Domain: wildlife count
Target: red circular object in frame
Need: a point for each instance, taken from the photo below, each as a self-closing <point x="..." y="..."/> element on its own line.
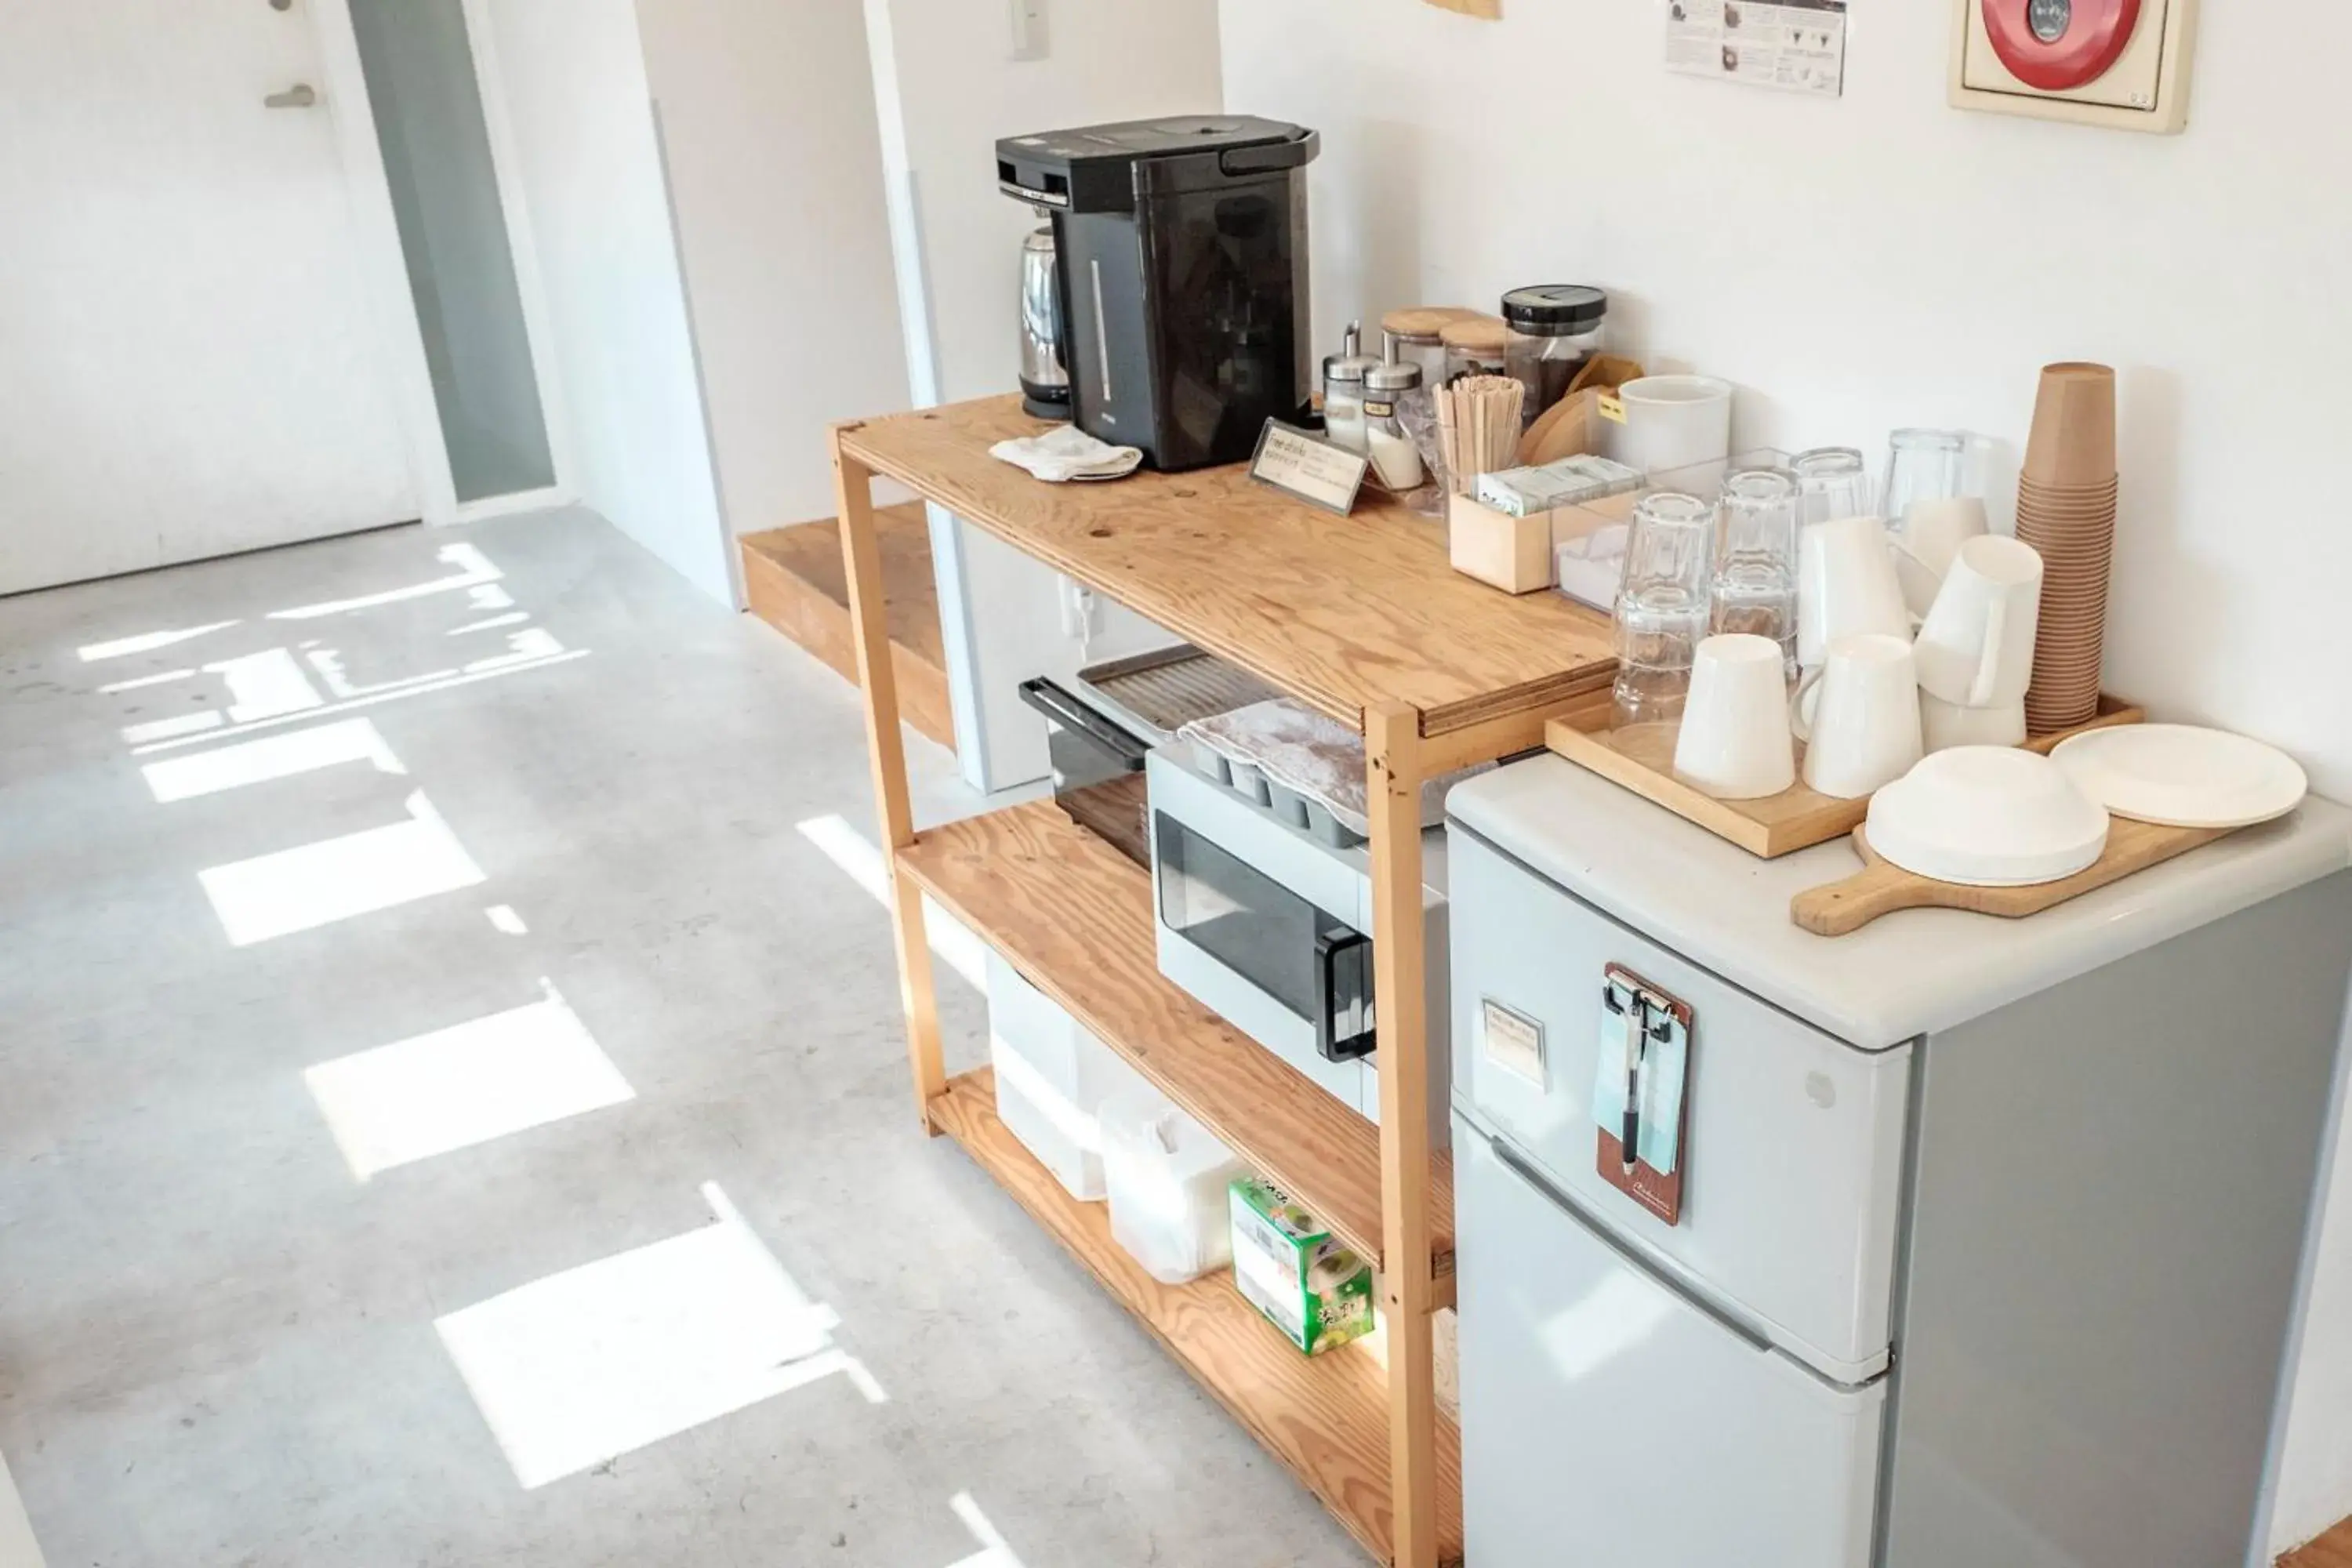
<point x="2094" y="41"/>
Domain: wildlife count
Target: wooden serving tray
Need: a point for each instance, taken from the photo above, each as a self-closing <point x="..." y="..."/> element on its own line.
<point x="1881" y="888"/>
<point x="1642" y="759"/>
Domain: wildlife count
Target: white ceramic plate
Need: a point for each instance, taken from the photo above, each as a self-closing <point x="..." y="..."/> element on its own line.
<point x="2183" y="776"/>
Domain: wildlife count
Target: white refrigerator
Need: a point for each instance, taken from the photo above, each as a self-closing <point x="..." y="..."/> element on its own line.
<point x="1981" y="1240"/>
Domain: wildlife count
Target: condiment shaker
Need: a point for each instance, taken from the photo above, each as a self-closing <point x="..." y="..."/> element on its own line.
<point x="1395" y="458"/>
<point x="1343" y="391"/>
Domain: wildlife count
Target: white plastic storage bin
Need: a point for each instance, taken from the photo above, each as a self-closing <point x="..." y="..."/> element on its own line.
<point x="1052" y="1078"/>
<point x="1168" y="1179"/>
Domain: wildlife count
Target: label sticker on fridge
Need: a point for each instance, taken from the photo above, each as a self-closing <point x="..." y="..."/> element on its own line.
<point x="1514" y="1042"/>
<point x="1640" y="1084"/>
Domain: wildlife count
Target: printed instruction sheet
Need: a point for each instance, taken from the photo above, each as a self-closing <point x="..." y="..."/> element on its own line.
<point x="1796" y="46"/>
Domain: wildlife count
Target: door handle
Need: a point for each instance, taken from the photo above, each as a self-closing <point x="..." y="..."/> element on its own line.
<point x="301" y="95"/>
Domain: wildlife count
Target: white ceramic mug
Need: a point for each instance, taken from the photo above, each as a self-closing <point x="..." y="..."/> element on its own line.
<point x="1846" y="585"/>
<point x="1944" y="725"/>
<point x="1976" y="647"/>
<point x="1673" y="421"/>
<point x="1735" y="743"/>
<point x="1932" y="535"/>
<point x="1865" y="729"/>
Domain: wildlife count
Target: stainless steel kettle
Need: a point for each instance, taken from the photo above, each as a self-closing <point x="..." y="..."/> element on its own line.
<point x="1045" y="380"/>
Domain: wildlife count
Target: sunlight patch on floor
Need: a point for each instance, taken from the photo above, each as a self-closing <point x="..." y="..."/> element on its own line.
<point x="269" y="757"/>
<point x="147" y="642"/>
<point x="993" y="1553"/>
<point x="473" y="568"/>
<point x="112" y="686"/>
<point x="860" y="860"/>
<point x="355" y="874"/>
<point x="610" y="1357"/>
<point x="17" y="1547"/>
<point x="265" y="685"/>
<point x="174" y="728"/>
<point x="465" y="1085"/>
<point x="417" y="689"/>
<point x="511" y="619"/>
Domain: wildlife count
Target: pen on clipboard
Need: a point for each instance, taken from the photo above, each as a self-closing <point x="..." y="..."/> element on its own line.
<point x="1637" y="1048"/>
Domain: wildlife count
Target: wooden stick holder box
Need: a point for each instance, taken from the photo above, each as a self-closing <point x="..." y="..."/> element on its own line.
<point x="1513" y="553"/>
<point x="1518" y="554"/>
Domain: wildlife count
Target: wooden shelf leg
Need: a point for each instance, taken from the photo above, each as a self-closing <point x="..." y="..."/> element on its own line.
<point x="1395" y="773"/>
<point x="861" y="552"/>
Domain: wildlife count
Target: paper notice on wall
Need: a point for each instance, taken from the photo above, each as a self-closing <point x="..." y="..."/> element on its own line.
<point x="1796" y="46"/>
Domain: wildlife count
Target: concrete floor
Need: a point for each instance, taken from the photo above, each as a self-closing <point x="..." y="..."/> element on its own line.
<point x="256" y="1314"/>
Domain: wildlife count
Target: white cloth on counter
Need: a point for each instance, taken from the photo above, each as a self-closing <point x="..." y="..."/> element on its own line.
<point x="1067" y="452"/>
<point x="1317" y="757"/>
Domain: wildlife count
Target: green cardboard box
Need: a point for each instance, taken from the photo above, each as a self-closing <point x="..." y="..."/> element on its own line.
<point x="1317" y="1291"/>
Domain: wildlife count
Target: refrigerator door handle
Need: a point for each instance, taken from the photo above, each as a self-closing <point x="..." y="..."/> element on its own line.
<point x="1602" y="1231"/>
<point x="1606" y="1234"/>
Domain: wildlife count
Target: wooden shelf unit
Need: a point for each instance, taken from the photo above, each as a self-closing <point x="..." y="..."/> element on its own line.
<point x="1074" y="916"/>
<point x="1361" y="617"/>
<point x="1325" y="1417"/>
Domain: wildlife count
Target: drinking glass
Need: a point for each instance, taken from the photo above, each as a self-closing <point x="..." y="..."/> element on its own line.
<point x="1832" y="482"/>
<point x="1921" y="465"/>
<point x="1661" y="605"/>
<point x="1923" y="470"/>
<point x="1755" y="587"/>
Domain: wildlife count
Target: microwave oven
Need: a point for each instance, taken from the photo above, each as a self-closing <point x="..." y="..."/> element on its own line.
<point x="1270" y="926"/>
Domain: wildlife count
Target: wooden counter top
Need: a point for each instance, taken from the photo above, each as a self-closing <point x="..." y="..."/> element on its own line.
<point x="1343" y="613"/>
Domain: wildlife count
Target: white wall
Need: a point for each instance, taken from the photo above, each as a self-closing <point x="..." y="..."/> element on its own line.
<point x="948" y="90"/>
<point x="775" y="169"/>
<point x="573" y="80"/>
<point x="1888" y="260"/>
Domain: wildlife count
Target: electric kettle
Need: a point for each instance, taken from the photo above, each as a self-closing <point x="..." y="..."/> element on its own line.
<point x="1044" y="382"/>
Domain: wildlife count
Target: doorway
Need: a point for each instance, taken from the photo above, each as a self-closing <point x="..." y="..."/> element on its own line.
<point x="232" y="314"/>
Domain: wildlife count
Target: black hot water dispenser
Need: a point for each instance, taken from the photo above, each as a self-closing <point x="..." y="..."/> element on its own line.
<point x="1181" y="252"/>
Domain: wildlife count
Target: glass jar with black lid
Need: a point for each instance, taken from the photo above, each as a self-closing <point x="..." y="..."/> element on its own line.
<point x="1555" y="329"/>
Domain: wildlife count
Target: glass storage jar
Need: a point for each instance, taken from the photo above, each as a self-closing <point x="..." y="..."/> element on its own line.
<point x="1475" y="345"/>
<point x="1415" y="336"/>
<point x="1554" y="331"/>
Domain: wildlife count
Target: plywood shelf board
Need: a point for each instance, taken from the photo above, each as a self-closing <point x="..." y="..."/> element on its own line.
<point x="1073" y="917"/>
<point x="1325" y="1417"/>
<point x="1344" y="614"/>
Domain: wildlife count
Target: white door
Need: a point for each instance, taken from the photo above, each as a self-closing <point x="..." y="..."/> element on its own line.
<point x="189" y="361"/>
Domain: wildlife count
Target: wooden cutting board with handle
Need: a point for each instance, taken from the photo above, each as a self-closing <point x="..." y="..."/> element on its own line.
<point x="1881" y="888"/>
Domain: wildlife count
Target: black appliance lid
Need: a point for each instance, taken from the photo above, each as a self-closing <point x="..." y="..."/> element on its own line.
<point x="1554" y="310"/>
<point x="1107" y="168"/>
<point x="1130" y="139"/>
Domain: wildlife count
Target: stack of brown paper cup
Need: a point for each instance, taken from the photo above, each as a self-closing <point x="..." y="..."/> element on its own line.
<point x="2067" y="511"/>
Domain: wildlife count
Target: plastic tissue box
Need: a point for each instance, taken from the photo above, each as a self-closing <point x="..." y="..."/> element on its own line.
<point x="1168" y="1179"/>
<point x="1308" y="1282"/>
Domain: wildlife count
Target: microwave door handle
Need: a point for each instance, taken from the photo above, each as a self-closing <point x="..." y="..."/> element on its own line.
<point x="1328" y="947"/>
